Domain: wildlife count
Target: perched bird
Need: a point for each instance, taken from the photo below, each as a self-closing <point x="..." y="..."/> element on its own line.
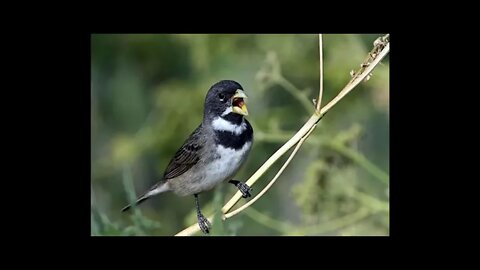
<point x="214" y="152"/>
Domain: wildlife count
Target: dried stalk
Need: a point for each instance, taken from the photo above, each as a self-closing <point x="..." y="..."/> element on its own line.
<point x="320" y="55"/>
<point x="380" y="50"/>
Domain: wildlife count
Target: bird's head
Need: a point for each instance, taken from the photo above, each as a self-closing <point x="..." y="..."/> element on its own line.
<point x="227" y="100"/>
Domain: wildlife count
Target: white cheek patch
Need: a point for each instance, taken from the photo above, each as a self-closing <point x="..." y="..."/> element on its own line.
<point x="227" y="111"/>
<point x="221" y="124"/>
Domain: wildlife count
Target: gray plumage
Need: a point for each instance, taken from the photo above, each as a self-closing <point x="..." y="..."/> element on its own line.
<point x="214" y="152"/>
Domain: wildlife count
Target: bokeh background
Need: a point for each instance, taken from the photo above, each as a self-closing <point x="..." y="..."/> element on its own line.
<point x="147" y="94"/>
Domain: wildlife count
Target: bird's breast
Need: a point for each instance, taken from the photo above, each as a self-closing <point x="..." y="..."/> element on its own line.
<point x="226" y="163"/>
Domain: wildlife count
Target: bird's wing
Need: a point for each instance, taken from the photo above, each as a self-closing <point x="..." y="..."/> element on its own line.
<point x="187" y="156"/>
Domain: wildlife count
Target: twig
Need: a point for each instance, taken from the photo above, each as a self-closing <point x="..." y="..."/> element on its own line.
<point x="320" y="93"/>
<point x="355" y="156"/>
<point x="289" y="144"/>
<point x="356" y="80"/>
<point x="240" y="209"/>
<point x="306" y="128"/>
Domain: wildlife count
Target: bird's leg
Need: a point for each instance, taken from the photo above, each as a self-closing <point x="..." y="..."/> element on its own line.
<point x="244" y="188"/>
<point x="202" y="220"/>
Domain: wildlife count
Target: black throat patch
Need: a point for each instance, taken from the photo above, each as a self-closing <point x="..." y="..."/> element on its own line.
<point x="229" y="139"/>
<point x="234" y="118"/>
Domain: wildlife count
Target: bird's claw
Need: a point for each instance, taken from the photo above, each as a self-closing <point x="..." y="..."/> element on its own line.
<point x="244" y="188"/>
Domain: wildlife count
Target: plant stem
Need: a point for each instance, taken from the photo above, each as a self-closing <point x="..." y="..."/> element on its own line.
<point x="231" y="214"/>
<point x="355" y="156"/>
<point x="353" y="83"/>
<point x="306" y="128"/>
<point x="320" y="53"/>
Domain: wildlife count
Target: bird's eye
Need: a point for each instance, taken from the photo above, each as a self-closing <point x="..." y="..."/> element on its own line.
<point x="221" y="96"/>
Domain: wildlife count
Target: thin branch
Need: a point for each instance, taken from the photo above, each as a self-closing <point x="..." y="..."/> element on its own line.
<point x="240" y="209"/>
<point x="357" y="79"/>
<point x="355" y="156"/>
<point x="306" y="128"/>
<point x="320" y="93"/>
<point x="274" y="158"/>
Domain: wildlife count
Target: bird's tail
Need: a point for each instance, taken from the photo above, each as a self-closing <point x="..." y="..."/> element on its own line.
<point x="160" y="187"/>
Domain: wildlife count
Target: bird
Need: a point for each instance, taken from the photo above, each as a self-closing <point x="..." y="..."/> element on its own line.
<point x="214" y="151"/>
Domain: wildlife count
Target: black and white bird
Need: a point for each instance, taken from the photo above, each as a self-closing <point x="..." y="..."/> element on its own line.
<point x="214" y="152"/>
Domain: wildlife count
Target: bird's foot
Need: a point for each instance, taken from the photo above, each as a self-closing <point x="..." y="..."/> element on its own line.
<point x="204" y="223"/>
<point x="244" y="188"/>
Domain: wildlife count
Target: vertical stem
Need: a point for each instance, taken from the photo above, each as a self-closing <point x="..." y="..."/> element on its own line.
<point x="307" y="127"/>
<point x="352" y="84"/>
<point x="320" y="50"/>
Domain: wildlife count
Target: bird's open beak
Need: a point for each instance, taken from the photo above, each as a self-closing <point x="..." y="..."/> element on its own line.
<point x="239" y="103"/>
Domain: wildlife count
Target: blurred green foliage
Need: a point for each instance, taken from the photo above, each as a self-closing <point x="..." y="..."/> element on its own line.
<point x="147" y="97"/>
